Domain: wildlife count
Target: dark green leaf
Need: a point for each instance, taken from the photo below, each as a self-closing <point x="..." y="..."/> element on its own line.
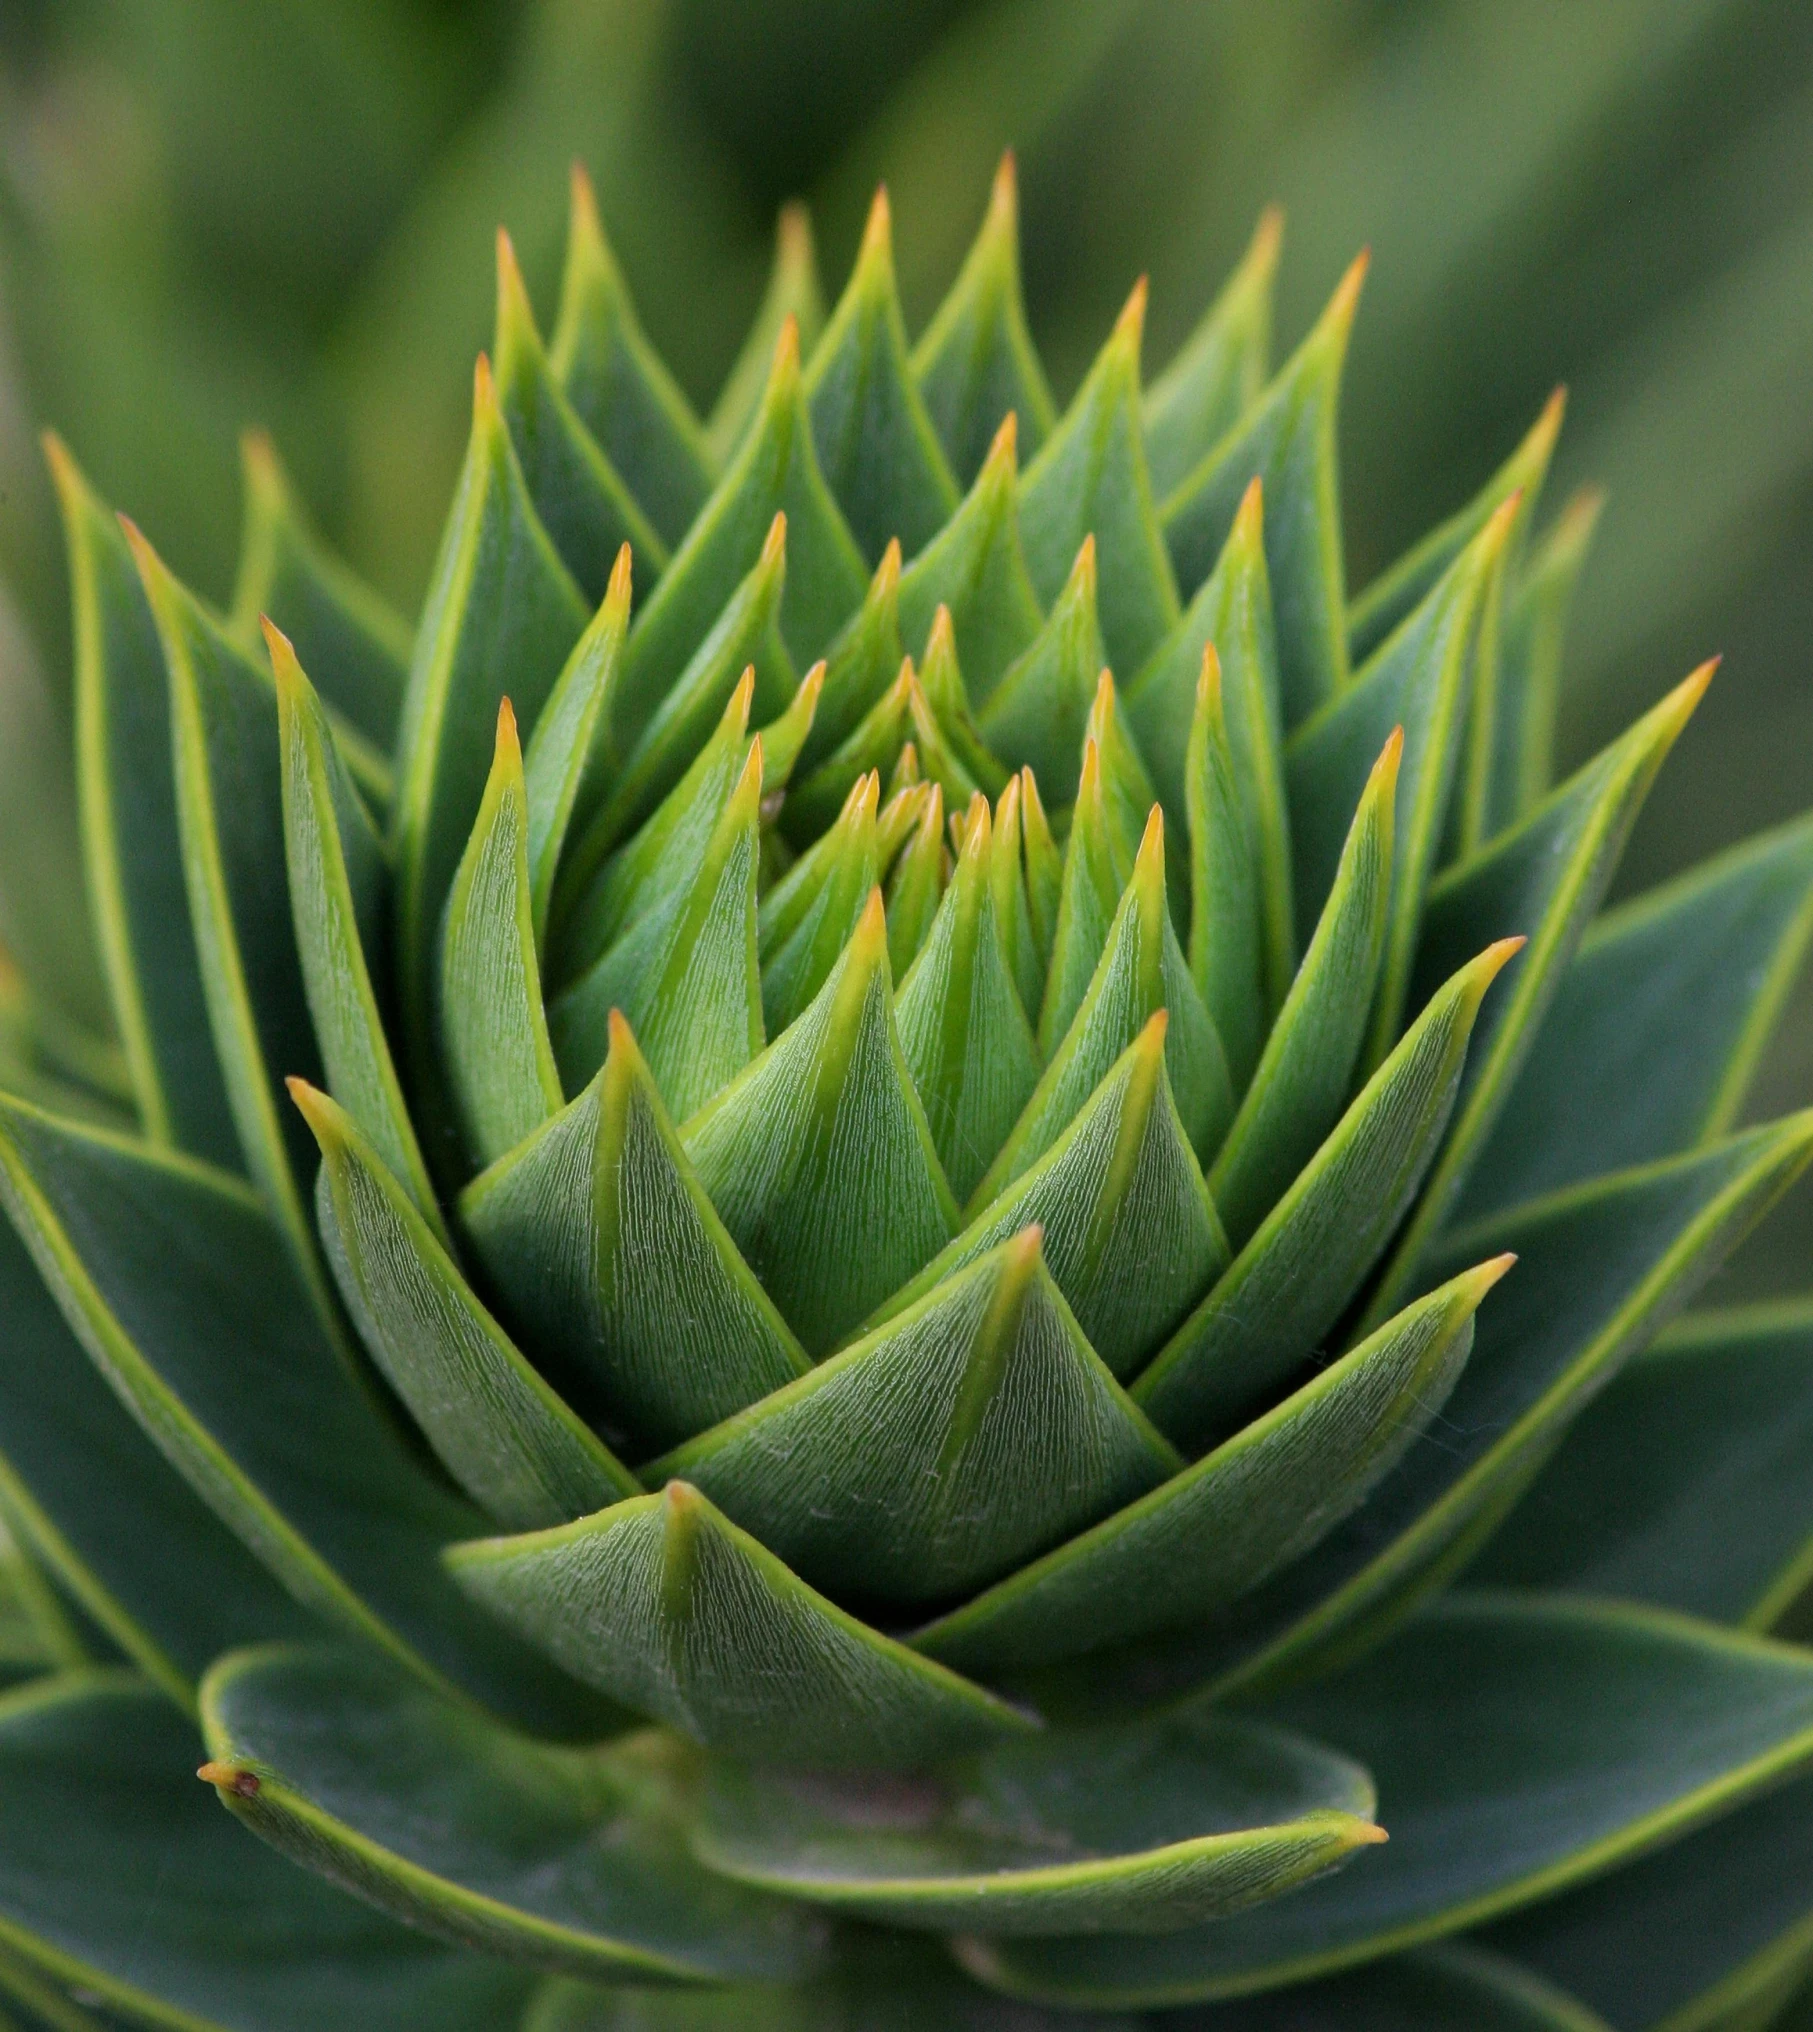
<point x="874" y="744"/>
<point x="603" y="1246"/>
<point x="1287" y="439"/>
<point x="975" y="363"/>
<point x="669" y="1608"/>
<point x="1227" y="935"/>
<point x="571" y="1859"/>
<point x="501" y="1432"/>
<point x="1140" y="1830"/>
<point x="1260" y="1500"/>
<point x="792" y="293"/>
<point x="1296" y="1276"/>
<point x="617" y="385"/>
<point x="122" y="1879"/>
<point x="1624" y="1724"/>
<point x="806" y="919"/>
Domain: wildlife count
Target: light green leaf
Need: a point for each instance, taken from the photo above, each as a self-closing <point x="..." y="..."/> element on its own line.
<point x="1227" y="936"/>
<point x="1232" y="610"/>
<point x="873" y="745"/>
<point x="876" y="445"/>
<point x="1131" y="1236"/>
<point x="1217" y="374"/>
<point x="501" y="1432"/>
<point x="976" y="566"/>
<point x="338" y="884"/>
<point x="963" y="1032"/>
<point x="1629" y="1724"/>
<point x="668" y="1607"/>
<point x="1542" y="881"/>
<point x="581" y="498"/>
<point x="357" y="647"/>
<point x="975" y="363"/>
<point x="686" y="976"/>
<point x="567" y="1859"/>
<point x="603" y="1246"/>
<point x="916" y="884"/>
<point x="495" y="1053"/>
<point x="862" y="661"/>
<point x="1418" y="683"/>
<point x="1180" y="1555"/>
<point x="1295" y="1277"/>
<point x="181" y="1290"/>
<point x="971" y="1431"/>
<point x="1692" y="977"/>
<point x="1717" y="1927"/>
<point x="1402" y="587"/>
<point x="1095" y="872"/>
<point x="1685" y="1483"/>
<point x="1127" y="793"/>
<point x="1013" y="908"/>
<point x="792" y="293"/>
<point x="1044" y="870"/>
<point x="1287" y="439"/>
<point x="122" y="1880"/>
<point x="1306" y="1071"/>
<point x="133" y="857"/>
<point x="1142" y="969"/>
<point x="941" y="679"/>
<point x="819" y="1158"/>
<point x="616" y="382"/>
<point x="1127" y="1831"/>
<point x="1090" y="479"/>
<point x="1037" y="715"/>
<point x="502" y="615"/>
<point x="124" y="1535"/>
<point x="807" y="918"/>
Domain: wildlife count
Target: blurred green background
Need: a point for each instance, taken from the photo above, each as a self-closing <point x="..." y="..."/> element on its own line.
<point x="214" y="212"/>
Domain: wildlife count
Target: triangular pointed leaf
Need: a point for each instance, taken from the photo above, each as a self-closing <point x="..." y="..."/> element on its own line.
<point x="1227" y="936"/>
<point x="860" y="664"/>
<point x="793" y="292"/>
<point x="1044" y="872"/>
<point x="1095" y="872"/>
<point x="1036" y="716"/>
<point x="916" y="885"/>
<point x="807" y="919"/>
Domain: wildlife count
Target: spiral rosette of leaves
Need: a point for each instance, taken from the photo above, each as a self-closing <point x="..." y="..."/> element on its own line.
<point x="847" y="1387"/>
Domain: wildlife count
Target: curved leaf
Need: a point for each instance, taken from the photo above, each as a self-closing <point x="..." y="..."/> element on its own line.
<point x="668" y="1607"/>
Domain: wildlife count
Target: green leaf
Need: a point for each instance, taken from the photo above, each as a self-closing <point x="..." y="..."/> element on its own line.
<point x="686" y="975"/>
<point x="1232" y="610"/>
<point x="1142" y="969"/>
<point x="1684" y="1483"/>
<point x="229" y="809"/>
<point x="1306" y="1071"/>
<point x="941" y="679"/>
<point x="1180" y="1555"/>
<point x="1626" y="1723"/>
<point x="181" y="1290"/>
<point x="976" y="566"/>
<point x="775" y="472"/>
<point x="1036" y="716"/>
<point x="876" y="445"/>
<point x="1287" y="439"/>
<point x="1013" y="907"/>
<point x="124" y="1881"/>
<point x="807" y="918"/>
<point x="873" y="744"/>
<point x="1127" y="793"/>
<point x="862" y="661"/>
<point x="1418" y="683"/>
<point x="123" y="1534"/>
<point x="1090" y="479"/>
<point x="971" y="1431"/>
<point x="1542" y="881"/>
<point x="1295" y="1277"/>
<point x="133" y="857"/>
<point x="1131" y="1237"/>
<point x="975" y="363"/>
<point x="963" y="1032"/>
<point x="616" y="382"/>
<point x="567" y="1859"/>
<point x="501" y="1432"/>
<point x="1402" y="587"/>
<point x="819" y="1158"/>
<point x="1217" y="374"/>
<point x="916" y="884"/>
<point x="792" y="293"/>
<point x="561" y="746"/>
<point x="357" y="647"/>
<point x="584" y="504"/>
<point x="604" y="1248"/>
<point x="1044" y="870"/>
<point x="502" y="614"/>
<point x="1095" y="872"/>
<point x="1135" y="1831"/>
<point x="1692" y="976"/>
<point x="668" y="1607"/>
<point x="495" y="1053"/>
<point x="1227" y="936"/>
<point x="1529" y="664"/>
<point x="339" y="889"/>
<point x="1719" y="1925"/>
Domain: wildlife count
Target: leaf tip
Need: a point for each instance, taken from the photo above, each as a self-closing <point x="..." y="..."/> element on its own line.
<point x="234" y="1778"/>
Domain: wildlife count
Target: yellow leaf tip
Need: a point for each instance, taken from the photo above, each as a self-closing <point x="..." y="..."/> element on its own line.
<point x="233" y="1778"/>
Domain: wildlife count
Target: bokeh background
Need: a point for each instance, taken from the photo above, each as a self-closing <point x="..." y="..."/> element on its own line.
<point x="215" y="212"/>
